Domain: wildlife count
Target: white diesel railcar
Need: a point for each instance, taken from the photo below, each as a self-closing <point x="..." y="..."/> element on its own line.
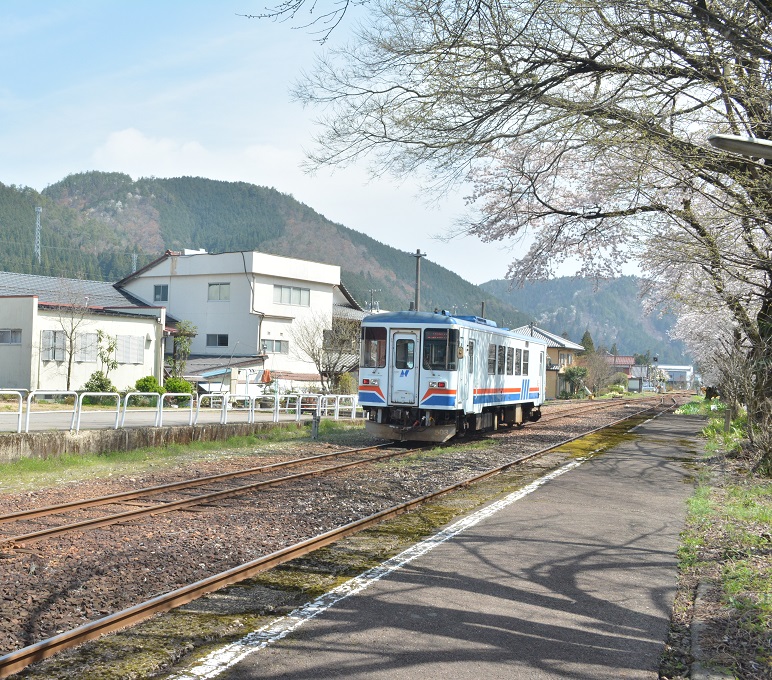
<point x="428" y="376"/>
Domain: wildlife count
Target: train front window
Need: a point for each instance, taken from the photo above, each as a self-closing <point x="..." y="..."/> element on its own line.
<point x="404" y="353"/>
<point x="373" y="353"/>
<point x="440" y="349"/>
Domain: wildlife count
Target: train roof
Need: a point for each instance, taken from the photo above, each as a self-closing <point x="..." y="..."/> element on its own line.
<point x="441" y="319"/>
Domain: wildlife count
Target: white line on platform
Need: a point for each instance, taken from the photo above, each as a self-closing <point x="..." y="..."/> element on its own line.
<point x="220" y="660"/>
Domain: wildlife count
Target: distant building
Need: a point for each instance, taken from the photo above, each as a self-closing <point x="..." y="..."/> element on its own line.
<point x="46" y="321"/>
<point x="244" y="305"/>
<point x="621" y="363"/>
<point x="679" y="377"/>
<point x="561" y="353"/>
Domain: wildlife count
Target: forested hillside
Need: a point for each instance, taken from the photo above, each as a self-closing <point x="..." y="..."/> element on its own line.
<point x="95" y="224"/>
<point x="612" y="312"/>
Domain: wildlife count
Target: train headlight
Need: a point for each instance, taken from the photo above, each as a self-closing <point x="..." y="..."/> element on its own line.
<point x="441" y="384"/>
<point x="370" y="381"/>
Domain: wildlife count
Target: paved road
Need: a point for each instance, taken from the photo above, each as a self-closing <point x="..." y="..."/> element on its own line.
<point x="41" y="421"/>
<point x="575" y="580"/>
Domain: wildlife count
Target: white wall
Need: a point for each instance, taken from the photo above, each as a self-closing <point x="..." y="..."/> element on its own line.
<point x="53" y="374"/>
<point x="16" y="366"/>
<point x="251" y="315"/>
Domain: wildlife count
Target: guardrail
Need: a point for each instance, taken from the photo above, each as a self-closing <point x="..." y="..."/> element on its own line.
<point x="19" y="410"/>
<point x="101" y="396"/>
<point x="52" y="393"/>
<point x="229" y="407"/>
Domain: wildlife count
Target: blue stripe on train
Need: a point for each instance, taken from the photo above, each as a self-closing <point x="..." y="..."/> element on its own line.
<point x="370" y="398"/>
<point x="439" y="400"/>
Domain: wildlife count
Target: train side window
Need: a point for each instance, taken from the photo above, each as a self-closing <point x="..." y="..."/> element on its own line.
<point x="470" y="356"/>
<point x="510" y="360"/>
<point x="502" y="359"/>
<point x="518" y="361"/>
<point x="525" y="362"/>
<point x="491" y="359"/>
<point x="404" y="354"/>
<point x="373" y="354"/>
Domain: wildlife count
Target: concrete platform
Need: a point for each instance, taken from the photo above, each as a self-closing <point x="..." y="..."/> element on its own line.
<point x="574" y="580"/>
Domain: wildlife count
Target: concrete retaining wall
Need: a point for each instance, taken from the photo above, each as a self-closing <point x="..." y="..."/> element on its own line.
<point x="46" y="444"/>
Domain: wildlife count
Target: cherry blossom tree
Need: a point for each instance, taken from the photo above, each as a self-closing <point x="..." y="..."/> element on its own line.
<point x="582" y="126"/>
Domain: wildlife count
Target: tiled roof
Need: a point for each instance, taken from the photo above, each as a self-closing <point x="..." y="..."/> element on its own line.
<point x="60" y="291"/>
<point x="345" y="312"/>
<point x="620" y="360"/>
<point x="551" y="339"/>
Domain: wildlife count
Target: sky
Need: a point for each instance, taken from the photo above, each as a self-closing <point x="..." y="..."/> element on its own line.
<point x="173" y="88"/>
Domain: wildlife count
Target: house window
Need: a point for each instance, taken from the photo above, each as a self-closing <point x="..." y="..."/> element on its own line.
<point x="52" y="346"/>
<point x="565" y="358"/>
<point x="86" y="347"/>
<point x="216" y="339"/>
<point x="161" y="293"/>
<point x="276" y="346"/>
<point x="290" y="295"/>
<point x="130" y="349"/>
<point x="10" y="336"/>
<point x="219" y="291"/>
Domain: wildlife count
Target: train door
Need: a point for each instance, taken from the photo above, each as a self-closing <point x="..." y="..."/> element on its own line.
<point x="404" y="372"/>
<point x="465" y="369"/>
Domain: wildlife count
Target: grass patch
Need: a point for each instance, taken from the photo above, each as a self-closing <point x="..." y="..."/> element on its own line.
<point x="27" y="473"/>
<point x="728" y="544"/>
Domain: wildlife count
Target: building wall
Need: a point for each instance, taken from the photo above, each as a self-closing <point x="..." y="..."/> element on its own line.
<point x="250" y="316"/>
<point x="16" y="366"/>
<point x="52" y="373"/>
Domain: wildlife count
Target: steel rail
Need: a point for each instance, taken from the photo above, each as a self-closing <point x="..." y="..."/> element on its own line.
<point x="119" y="497"/>
<point x="171" y="486"/>
<point x="15" y="661"/>
<point x="565" y="413"/>
<point x="172" y="506"/>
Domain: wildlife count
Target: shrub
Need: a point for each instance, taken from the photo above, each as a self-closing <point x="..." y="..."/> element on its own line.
<point x="347" y="384"/>
<point x="148" y="384"/>
<point x="99" y="382"/>
<point x="173" y="384"/>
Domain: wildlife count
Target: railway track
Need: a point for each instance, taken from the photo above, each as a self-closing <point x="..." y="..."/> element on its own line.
<point x="23" y="540"/>
<point x="15" y="661"/>
<point x="10" y="541"/>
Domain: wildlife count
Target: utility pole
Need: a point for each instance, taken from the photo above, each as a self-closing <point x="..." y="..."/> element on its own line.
<point x="418" y="255"/>
<point x="372" y="292"/>
<point x="37" y="233"/>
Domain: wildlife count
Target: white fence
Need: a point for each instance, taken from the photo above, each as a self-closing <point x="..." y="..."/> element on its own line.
<point x="73" y="410"/>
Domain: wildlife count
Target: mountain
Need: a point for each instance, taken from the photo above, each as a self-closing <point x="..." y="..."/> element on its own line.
<point x="612" y="311"/>
<point x="99" y="225"/>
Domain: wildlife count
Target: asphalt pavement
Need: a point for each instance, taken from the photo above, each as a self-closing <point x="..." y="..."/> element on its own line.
<point x="573" y="580"/>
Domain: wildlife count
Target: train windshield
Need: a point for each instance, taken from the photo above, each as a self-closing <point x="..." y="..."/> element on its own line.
<point x="373" y="353"/>
<point x="440" y="349"/>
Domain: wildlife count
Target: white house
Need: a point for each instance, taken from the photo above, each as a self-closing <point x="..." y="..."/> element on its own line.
<point x="243" y="305"/>
<point x="49" y="325"/>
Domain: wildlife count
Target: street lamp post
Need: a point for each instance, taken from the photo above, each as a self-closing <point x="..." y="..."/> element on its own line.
<point x="747" y="146"/>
